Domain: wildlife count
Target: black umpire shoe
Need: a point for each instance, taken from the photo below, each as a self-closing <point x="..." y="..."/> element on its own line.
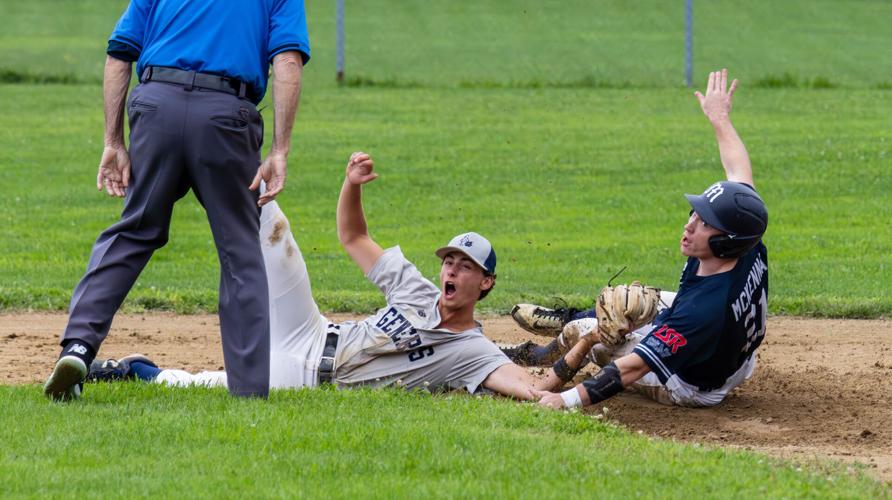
<point x="67" y="379"/>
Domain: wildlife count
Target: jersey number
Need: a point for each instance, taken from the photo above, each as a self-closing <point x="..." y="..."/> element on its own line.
<point x="755" y="321"/>
<point x="421" y="353"/>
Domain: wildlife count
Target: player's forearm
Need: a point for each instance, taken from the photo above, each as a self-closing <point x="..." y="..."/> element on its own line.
<point x="287" y="74"/>
<point x="116" y="81"/>
<point x="550" y="382"/>
<point x="735" y="159"/>
<point x="608" y="382"/>
<point x="573" y="360"/>
<point x="513" y="381"/>
<point x="350" y="214"/>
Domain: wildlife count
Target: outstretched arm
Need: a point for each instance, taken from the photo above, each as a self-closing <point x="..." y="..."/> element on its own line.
<point x="352" y="229"/>
<point x="716" y="105"/>
<point x="611" y="380"/>
<point x="515" y="381"/>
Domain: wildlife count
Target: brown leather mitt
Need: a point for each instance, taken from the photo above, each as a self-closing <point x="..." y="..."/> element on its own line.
<point x="624" y="308"/>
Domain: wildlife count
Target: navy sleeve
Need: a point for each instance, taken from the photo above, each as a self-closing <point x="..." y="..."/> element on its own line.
<point x="122" y="51"/>
<point x="288" y="29"/>
<point x="131" y="27"/>
<point x="683" y="338"/>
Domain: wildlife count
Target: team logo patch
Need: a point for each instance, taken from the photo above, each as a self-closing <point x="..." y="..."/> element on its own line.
<point x="714" y="191"/>
<point x="670" y="337"/>
<point x="466" y="241"/>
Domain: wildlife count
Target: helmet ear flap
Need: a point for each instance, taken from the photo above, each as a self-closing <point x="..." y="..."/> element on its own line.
<point x="718" y="245"/>
<point x="724" y="246"/>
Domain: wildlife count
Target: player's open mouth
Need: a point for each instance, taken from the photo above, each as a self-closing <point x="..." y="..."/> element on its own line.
<point x="449" y="289"/>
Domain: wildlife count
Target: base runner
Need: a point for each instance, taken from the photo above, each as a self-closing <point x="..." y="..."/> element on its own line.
<point x="425" y="337"/>
<point x="703" y="344"/>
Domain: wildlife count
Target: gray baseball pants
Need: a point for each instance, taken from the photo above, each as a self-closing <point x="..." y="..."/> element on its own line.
<point x="208" y="141"/>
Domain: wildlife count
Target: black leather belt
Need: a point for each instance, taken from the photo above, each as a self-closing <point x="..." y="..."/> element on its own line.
<point x="191" y="79"/>
<point x="326" y="364"/>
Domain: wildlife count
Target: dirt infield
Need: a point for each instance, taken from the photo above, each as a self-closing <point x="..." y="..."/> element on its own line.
<point x="822" y="389"/>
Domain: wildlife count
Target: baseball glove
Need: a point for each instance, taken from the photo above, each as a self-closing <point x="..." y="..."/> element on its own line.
<point x="624" y="308"/>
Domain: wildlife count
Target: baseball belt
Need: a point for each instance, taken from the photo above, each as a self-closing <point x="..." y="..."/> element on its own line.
<point x="191" y="79"/>
<point x="326" y="364"/>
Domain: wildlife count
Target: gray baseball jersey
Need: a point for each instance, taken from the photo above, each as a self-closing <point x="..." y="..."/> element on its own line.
<point x="401" y="345"/>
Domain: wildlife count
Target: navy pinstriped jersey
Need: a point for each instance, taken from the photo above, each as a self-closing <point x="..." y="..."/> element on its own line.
<point x="715" y="323"/>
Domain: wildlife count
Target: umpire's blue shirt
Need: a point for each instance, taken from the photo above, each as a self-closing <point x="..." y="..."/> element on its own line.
<point x="232" y="38"/>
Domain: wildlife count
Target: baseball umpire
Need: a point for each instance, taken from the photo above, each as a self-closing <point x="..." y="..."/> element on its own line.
<point x="425" y="337"/>
<point x="203" y="66"/>
<point x="702" y="346"/>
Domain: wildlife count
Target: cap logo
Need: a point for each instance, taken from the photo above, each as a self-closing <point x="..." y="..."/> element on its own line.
<point x="466" y="241"/>
<point x="714" y="192"/>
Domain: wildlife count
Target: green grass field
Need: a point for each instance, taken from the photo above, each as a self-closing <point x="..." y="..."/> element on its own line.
<point x="140" y="440"/>
<point x="569" y="184"/>
<point x="561" y="130"/>
<point x="514" y="139"/>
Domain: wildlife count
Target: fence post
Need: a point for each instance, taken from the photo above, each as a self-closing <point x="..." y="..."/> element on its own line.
<point x="340" y="40"/>
<point x="688" y="42"/>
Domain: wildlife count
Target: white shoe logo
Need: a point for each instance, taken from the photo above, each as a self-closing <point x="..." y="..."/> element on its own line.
<point x="78" y="349"/>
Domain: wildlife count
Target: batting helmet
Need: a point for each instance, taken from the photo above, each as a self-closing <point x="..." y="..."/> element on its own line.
<point x="735" y="209"/>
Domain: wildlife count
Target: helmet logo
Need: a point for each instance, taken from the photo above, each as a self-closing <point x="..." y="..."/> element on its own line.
<point x="466" y="241"/>
<point x="714" y="191"/>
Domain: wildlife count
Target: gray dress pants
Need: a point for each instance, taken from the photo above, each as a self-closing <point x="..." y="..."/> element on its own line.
<point x="208" y="141"/>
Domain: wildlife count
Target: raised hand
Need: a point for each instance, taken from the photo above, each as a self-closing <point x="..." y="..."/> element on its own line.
<point x="360" y="169"/>
<point x="716" y="104"/>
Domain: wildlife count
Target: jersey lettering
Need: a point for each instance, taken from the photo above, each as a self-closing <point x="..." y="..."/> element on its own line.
<point x="753" y="280"/>
<point x="397" y="327"/>
<point x="385" y="323"/>
<point x="397" y="334"/>
<point x="670" y="337"/>
<point x="421" y="353"/>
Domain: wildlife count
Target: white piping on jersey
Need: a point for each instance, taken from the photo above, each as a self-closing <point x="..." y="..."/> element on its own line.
<point x="643" y="349"/>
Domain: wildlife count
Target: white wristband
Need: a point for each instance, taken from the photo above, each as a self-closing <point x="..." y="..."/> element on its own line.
<point x="571" y="398"/>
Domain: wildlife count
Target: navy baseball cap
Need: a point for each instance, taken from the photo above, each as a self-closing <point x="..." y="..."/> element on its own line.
<point x="476" y="247"/>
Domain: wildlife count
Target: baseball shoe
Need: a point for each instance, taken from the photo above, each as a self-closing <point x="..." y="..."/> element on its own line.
<point x="108" y="370"/>
<point x="531" y="354"/>
<point x="522" y="353"/>
<point x="542" y="320"/>
<point x="67" y="379"/>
